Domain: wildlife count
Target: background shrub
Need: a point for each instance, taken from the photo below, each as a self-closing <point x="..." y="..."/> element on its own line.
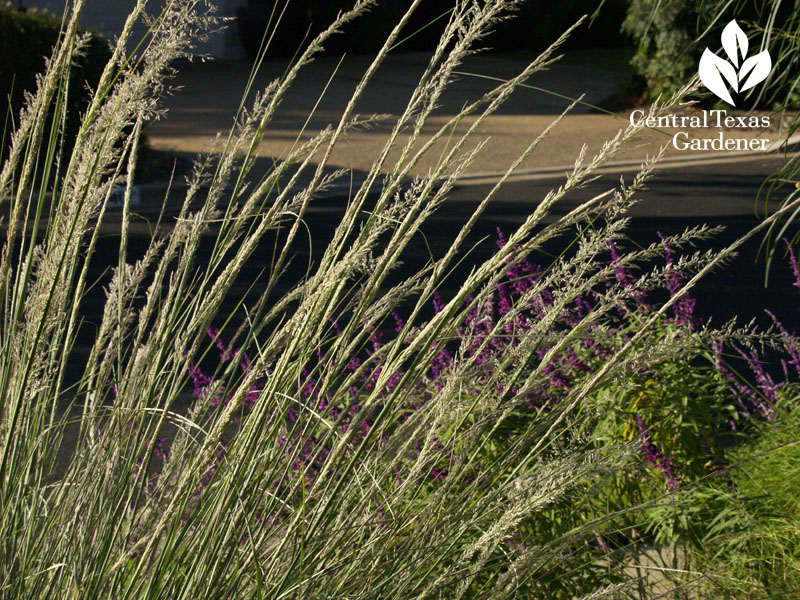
<point x="671" y="36"/>
<point x="26" y="38"/>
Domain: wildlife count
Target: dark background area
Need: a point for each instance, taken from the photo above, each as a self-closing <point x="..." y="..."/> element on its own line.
<point x="534" y="26"/>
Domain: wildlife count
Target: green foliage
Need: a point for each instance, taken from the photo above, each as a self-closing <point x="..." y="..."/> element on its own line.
<point x="687" y="408"/>
<point x="663" y="33"/>
<point x="753" y="542"/>
<point x="671" y="36"/>
<point x="26" y="40"/>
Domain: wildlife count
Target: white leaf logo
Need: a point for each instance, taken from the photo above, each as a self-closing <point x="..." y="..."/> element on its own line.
<point x="717" y="74"/>
<point x="732" y="38"/>
<point x="760" y="64"/>
<point x="711" y="66"/>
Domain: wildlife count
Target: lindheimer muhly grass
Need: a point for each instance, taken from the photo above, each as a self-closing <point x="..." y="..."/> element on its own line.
<point x="304" y="500"/>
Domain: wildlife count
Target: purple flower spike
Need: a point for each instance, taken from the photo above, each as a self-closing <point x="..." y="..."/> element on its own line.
<point x="791" y="343"/>
<point x="504" y="305"/>
<point x="768" y="388"/>
<point x="225" y="353"/>
<point x="656" y="457"/>
<point x="200" y="380"/>
<point x="246" y="363"/>
<point x="743" y="394"/>
<point x="501" y="239"/>
<point x="336" y="327"/>
<point x="793" y="263"/>
<point x="438" y="302"/>
<point x="398" y="321"/>
<point x="622" y="274"/>
<point x="683" y="309"/>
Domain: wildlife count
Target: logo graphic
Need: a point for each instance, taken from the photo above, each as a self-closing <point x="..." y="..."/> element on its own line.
<point x="753" y="70"/>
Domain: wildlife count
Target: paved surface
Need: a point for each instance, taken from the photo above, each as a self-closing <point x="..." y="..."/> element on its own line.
<point x="694" y="190"/>
<point x="210" y="92"/>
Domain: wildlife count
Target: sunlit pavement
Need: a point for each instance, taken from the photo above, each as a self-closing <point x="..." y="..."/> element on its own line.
<point x="702" y="183"/>
<point x="209" y="95"/>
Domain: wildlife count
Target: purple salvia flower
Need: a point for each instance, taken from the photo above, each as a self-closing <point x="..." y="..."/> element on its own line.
<point x="576" y="363"/>
<point x="793" y="263"/>
<point x="683" y="309"/>
<point x="309" y="389"/>
<point x="438" y="302"/>
<point x="667" y="248"/>
<point x="441" y="363"/>
<point x="246" y="363"/>
<point x="741" y="391"/>
<point x="395" y="379"/>
<point x="376" y="338"/>
<point x="621" y="273"/>
<point x="399" y="321"/>
<point x="765" y="383"/>
<point x="199" y="379"/>
<point x="353" y="365"/>
<point x="582" y="306"/>
<point x="504" y="305"/>
<point x="225" y="353"/>
<point x="336" y="327"/>
<point x="251" y="397"/>
<point x="531" y="270"/>
<point x="656" y="457"/>
<point x="439" y="474"/>
<point x="791" y="343"/>
<point x="501" y="239"/>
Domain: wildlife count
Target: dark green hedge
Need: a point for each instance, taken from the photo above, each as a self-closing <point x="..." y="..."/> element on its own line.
<point x="671" y="36"/>
<point x="26" y="38"/>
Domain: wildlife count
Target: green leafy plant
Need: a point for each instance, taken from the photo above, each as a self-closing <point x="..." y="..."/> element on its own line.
<point x="27" y="39"/>
<point x="752" y="547"/>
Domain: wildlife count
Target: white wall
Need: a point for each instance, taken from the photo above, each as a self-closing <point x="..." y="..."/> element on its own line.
<point x="108" y="16"/>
